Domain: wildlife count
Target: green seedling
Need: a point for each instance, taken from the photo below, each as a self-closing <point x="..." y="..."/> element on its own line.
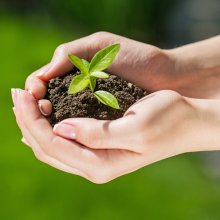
<point x="89" y="72"/>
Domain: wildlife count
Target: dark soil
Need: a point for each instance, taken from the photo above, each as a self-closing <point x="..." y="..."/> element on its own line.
<point x="85" y="104"/>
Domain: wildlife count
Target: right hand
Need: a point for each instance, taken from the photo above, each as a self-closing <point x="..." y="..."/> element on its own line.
<point x="160" y="125"/>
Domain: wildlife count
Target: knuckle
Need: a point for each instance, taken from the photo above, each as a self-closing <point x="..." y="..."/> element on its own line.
<point x="170" y="97"/>
<point x="100" y="35"/>
<point x="169" y="94"/>
<point x="61" y="49"/>
<point x="100" y="39"/>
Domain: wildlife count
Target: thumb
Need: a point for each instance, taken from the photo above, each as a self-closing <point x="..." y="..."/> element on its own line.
<point x="84" y="48"/>
<point x="99" y="134"/>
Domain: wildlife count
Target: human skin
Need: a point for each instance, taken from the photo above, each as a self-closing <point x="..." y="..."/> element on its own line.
<point x="150" y="130"/>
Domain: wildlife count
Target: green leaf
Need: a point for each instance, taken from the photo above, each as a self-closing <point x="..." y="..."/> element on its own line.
<point x="86" y="63"/>
<point x="104" y="58"/>
<point x="92" y="83"/>
<point x="77" y="62"/>
<point x="78" y="83"/>
<point x="100" y="74"/>
<point x="92" y="80"/>
<point x="107" y="99"/>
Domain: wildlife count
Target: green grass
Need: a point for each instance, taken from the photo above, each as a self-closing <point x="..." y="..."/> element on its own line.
<point x="176" y="188"/>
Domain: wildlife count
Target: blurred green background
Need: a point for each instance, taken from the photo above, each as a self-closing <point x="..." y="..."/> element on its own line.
<point x="184" y="187"/>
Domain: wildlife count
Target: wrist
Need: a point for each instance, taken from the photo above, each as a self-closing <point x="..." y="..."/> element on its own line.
<point x="163" y="66"/>
<point x="206" y="129"/>
<point x="186" y="69"/>
<point x="195" y="61"/>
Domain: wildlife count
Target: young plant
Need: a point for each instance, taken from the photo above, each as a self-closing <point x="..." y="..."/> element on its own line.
<point x="89" y="72"/>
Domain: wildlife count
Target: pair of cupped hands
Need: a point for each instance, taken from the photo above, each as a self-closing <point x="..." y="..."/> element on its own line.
<point x="177" y="117"/>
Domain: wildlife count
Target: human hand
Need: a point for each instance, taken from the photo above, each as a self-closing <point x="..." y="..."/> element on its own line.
<point x="160" y="125"/>
<point x="144" y="65"/>
<point x="191" y="70"/>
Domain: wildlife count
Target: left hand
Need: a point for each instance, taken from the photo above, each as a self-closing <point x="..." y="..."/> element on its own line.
<point x="158" y="126"/>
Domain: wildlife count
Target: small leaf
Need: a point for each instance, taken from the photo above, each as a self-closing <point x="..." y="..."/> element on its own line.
<point x="78" y="83"/>
<point x="107" y="99"/>
<point x="100" y="74"/>
<point x="86" y="63"/>
<point x="104" y="58"/>
<point x="92" y="83"/>
<point x="77" y="62"/>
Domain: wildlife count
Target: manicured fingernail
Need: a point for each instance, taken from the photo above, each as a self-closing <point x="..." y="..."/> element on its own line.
<point x="24" y="141"/>
<point x="42" y="109"/>
<point x="65" y="130"/>
<point x="14" y="96"/>
<point x="30" y="91"/>
<point x="44" y="70"/>
<point x="14" y="110"/>
<point x="18" y="91"/>
<point x="40" y="73"/>
<point x="15" y="93"/>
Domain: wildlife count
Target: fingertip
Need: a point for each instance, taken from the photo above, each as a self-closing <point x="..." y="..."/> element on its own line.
<point x="58" y="68"/>
<point x="23" y="140"/>
<point x="14" y="110"/>
<point x="45" y="107"/>
<point x="43" y="77"/>
<point x="40" y="73"/>
<point x="36" y="87"/>
<point x="26" y="98"/>
<point x="26" y="103"/>
<point x="65" y="130"/>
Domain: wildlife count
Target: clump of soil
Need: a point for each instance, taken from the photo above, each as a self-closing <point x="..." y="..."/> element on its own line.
<point x="85" y="104"/>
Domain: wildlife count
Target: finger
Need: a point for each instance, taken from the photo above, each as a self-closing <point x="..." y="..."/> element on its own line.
<point x="23" y="140"/>
<point x="100" y="134"/>
<point x="61" y="64"/>
<point x="36" y="86"/>
<point x="39" y="129"/>
<point x="57" y="164"/>
<point x="40" y="155"/>
<point x="84" y="48"/>
<point x="45" y="107"/>
<point x="99" y="166"/>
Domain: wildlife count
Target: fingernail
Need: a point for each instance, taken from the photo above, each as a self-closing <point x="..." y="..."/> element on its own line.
<point x="15" y="93"/>
<point x="30" y="91"/>
<point x="14" y="96"/>
<point x="14" y="110"/>
<point x="44" y="70"/>
<point x="42" y="109"/>
<point x="24" y="141"/>
<point x="41" y="73"/>
<point x="65" y="130"/>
